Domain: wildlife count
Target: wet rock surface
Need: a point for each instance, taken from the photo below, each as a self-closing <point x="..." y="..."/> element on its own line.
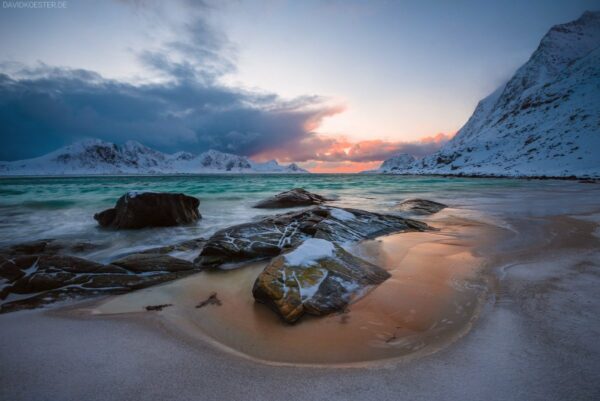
<point x="180" y="248"/>
<point x="153" y="262"/>
<point x="150" y="209"/>
<point x="294" y="285"/>
<point x="421" y="206"/>
<point x="292" y="198"/>
<point x="272" y="235"/>
<point x="37" y="273"/>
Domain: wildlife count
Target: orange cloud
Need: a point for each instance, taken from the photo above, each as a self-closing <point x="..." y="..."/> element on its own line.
<point x="340" y="167"/>
<point x="326" y="154"/>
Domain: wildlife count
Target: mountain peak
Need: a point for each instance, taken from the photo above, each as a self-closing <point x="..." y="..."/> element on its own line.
<point x="94" y="156"/>
<point x="544" y="122"/>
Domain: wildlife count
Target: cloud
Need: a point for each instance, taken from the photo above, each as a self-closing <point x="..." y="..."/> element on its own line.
<point x="44" y="107"/>
<point x="315" y="147"/>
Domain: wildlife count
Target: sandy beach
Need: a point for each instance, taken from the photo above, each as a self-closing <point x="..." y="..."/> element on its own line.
<point x="534" y="336"/>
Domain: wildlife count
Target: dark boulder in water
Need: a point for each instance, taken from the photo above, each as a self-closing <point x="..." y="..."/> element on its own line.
<point x="272" y="235"/>
<point x="318" y="277"/>
<point x="291" y="198"/>
<point x="421" y="206"/>
<point x="150" y="209"/>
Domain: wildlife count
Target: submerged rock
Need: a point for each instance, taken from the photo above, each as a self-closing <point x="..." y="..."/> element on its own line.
<point x="272" y="235"/>
<point x="421" y="206"/>
<point x="291" y="198"/>
<point x="50" y="247"/>
<point x="318" y="277"/>
<point x="150" y="209"/>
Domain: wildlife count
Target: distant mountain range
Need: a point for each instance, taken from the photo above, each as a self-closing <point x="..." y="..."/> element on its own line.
<point x="545" y="121"/>
<point x="96" y="157"/>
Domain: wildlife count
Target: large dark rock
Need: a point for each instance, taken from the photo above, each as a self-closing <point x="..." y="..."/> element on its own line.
<point x="292" y="198"/>
<point x="318" y="278"/>
<point x="421" y="206"/>
<point x="272" y="235"/>
<point x="150" y="209"/>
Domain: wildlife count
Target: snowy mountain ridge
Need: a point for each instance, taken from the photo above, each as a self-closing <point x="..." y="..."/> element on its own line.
<point x="545" y="121"/>
<point x="97" y="157"/>
<point x="399" y="162"/>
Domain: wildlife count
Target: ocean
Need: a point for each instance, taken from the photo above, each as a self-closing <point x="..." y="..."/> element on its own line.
<point x="63" y="207"/>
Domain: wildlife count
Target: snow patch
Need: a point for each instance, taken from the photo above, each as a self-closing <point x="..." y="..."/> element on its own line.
<point x="310" y="251"/>
<point x="343" y="215"/>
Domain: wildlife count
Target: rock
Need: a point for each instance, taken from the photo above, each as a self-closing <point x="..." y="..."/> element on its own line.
<point x="318" y="277"/>
<point x="272" y="235"/>
<point x="211" y="300"/>
<point x="52" y="276"/>
<point x="150" y="209"/>
<point x="157" y="307"/>
<point x="292" y="198"/>
<point x="9" y="270"/>
<point x="71" y="264"/>
<point x="49" y="247"/>
<point x="185" y="246"/>
<point x="152" y="262"/>
<point x="421" y="206"/>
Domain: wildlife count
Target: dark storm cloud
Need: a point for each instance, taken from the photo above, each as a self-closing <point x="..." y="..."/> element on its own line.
<point x="44" y="108"/>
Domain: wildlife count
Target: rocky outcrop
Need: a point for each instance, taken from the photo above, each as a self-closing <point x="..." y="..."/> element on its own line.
<point x="292" y="198"/>
<point x="421" y="206"/>
<point x="272" y="235"/>
<point x="318" y="277"/>
<point x="40" y="273"/>
<point x="150" y="209"/>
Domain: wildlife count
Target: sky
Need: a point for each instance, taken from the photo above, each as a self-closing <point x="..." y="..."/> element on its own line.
<point x="337" y="86"/>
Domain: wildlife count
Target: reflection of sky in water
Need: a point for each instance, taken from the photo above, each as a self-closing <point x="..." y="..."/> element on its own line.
<point x="34" y="208"/>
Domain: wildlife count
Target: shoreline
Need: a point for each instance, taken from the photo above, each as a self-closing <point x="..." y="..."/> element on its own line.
<point x="534" y="337"/>
<point x="587" y="179"/>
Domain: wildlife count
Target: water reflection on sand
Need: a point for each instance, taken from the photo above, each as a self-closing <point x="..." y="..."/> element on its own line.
<point x="435" y="291"/>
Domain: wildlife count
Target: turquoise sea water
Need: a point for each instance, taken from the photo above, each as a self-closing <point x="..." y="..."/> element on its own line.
<point x="35" y="208"/>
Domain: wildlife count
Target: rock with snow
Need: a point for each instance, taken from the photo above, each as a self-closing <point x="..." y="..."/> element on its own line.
<point x="318" y="277"/>
<point x="421" y="206"/>
<point x="273" y="235"/>
<point x="150" y="209"/>
<point x="93" y="156"/>
<point x="292" y="198"/>
<point x="544" y="122"/>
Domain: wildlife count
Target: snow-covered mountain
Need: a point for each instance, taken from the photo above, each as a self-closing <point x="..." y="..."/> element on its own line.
<point x="93" y="156"/>
<point x="399" y="162"/>
<point x="545" y="121"/>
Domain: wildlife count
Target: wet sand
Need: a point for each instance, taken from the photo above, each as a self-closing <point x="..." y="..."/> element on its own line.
<point x="535" y="337"/>
<point x="435" y="291"/>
